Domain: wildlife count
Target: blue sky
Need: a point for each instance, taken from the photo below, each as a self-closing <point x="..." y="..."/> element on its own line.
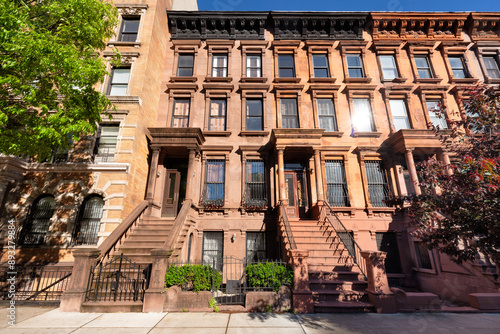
<point x="360" y="5"/>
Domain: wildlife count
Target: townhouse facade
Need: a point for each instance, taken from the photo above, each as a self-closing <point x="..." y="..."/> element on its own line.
<point x="232" y="126"/>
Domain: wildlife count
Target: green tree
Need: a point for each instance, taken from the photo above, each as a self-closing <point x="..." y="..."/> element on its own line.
<point x="458" y="212"/>
<point x="49" y="67"/>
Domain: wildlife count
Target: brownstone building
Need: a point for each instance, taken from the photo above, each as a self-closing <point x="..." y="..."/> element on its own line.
<point x="254" y="135"/>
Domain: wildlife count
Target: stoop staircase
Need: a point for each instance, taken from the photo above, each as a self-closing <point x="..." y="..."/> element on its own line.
<point x="335" y="281"/>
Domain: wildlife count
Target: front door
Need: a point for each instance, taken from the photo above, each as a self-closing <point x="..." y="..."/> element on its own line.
<point x="296" y="190"/>
<point x="171" y="195"/>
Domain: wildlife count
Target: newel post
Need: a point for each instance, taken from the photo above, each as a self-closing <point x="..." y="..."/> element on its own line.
<point x="74" y="296"/>
<point x="378" y="285"/>
<point x="302" y="296"/>
<point x="154" y="297"/>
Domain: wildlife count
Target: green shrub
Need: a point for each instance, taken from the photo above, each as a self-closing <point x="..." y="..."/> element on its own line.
<point x="268" y="275"/>
<point x="196" y="277"/>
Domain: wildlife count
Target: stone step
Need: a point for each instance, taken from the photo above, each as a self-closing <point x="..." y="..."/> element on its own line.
<point x="337" y="284"/>
<point x="343" y="307"/>
<point x="146" y="238"/>
<point x="344" y="295"/>
<point x="111" y="306"/>
<point x="129" y="244"/>
<point x="341" y="273"/>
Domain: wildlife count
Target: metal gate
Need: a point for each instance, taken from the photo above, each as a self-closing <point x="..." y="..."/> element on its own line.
<point x="118" y="280"/>
<point x="233" y="288"/>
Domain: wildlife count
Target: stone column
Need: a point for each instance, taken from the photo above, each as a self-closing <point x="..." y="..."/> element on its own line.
<point x="281" y="176"/>
<point x="73" y="298"/>
<point x="153" y="168"/>
<point x="190" y="175"/>
<point x="378" y="285"/>
<point x="302" y="295"/>
<point x="446" y="159"/>
<point x="319" y="178"/>
<point x="154" y="297"/>
<point x="410" y="163"/>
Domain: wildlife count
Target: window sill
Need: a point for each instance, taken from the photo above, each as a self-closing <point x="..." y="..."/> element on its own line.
<point x="287" y="80"/>
<point x="358" y="80"/>
<point x="464" y="81"/>
<point x="492" y="81"/>
<point x="333" y="134"/>
<point x="254" y="79"/>
<point x="124" y="99"/>
<point x="183" y="79"/>
<point x="217" y="133"/>
<point x="395" y="80"/>
<point x="367" y="134"/>
<point x="121" y="43"/>
<point x="323" y="80"/>
<point x="425" y="271"/>
<point x="371" y="210"/>
<point x="428" y="80"/>
<point x="246" y="133"/>
<point x="218" y="79"/>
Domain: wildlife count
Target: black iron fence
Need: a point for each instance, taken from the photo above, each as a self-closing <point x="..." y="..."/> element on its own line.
<point x="229" y="284"/>
<point x="119" y="279"/>
<point x="34" y="282"/>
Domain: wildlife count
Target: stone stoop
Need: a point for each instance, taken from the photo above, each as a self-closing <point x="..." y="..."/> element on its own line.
<point x="334" y="280"/>
<point x="149" y="234"/>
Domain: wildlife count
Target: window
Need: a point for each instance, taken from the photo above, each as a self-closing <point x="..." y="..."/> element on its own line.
<point x="213" y="249"/>
<point x="423" y="256"/>
<point x="254" y="66"/>
<point x="355" y="66"/>
<point x="219" y="65"/>
<point x="106" y="140"/>
<point x="377" y="183"/>
<point x="491" y="67"/>
<point x="256" y="246"/>
<point x="399" y="114"/>
<point x="320" y="66"/>
<point x="180" y="115"/>
<point x="255" y="196"/>
<point x="362" y="117"/>
<point x="286" y="66"/>
<point x="289" y="115"/>
<point x="217" y="121"/>
<point x="214" y="184"/>
<point x="119" y="81"/>
<point x="129" y="29"/>
<point x="254" y="115"/>
<point x="388" y="242"/>
<point x="423" y="67"/>
<point x="38" y="222"/>
<point x="89" y="221"/>
<point x="389" y="69"/>
<point x="437" y="118"/>
<point x="326" y="114"/>
<point x="185" y="65"/>
<point x="336" y="183"/>
<point x="458" y="67"/>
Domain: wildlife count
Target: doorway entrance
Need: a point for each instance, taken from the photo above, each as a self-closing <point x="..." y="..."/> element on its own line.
<point x="296" y="190"/>
<point x="175" y="187"/>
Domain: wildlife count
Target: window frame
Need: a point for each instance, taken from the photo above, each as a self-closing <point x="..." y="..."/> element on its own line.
<point x="252" y="98"/>
<point x="385" y="184"/>
<point x="124" y="18"/>
<point x="433" y="95"/>
<point x="360" y="67"/>
<point x="247" y="67"/>
<point x="112" y="77"/>
<point x="280" y="67"/>
<point x="344" y="184"/>
<point x="210" y="117"/>
<point x="406" y="116"/>
<point x="427" y="52"/>
<point x="180" y="55"/>
<point x="97" y="158"/>
<point x="440" y="120"/>
<point x="427" y="68"/>
<point x="348" y="48"/>
<point x="382" y="68"/>
<point x="224" y="68"/>
<point x="220" y="252"/>
<point x="257" y="205"/>
<point x="215" y="48"/>
<point x="333" y="115"/>
<point x="297" y="118"/>
<point x="28" y="228"/>
<point x="252" y="47"/>
<point x="185" y="47"/>
<point x="354" y="113"/>
<point x="80" y="220"/>
<point x="174" y="116"/>
<point x="326" y="67"/>
<point x="215" y="153"/>
<point x="262" y="235"/>
<point x="493" y="53"/>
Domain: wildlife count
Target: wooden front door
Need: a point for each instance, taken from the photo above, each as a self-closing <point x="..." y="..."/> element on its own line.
<point x="296" y="190"/>
<point x="171" y="194"/>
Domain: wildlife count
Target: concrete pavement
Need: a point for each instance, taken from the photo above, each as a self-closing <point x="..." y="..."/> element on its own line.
<point x="39" y="320"/>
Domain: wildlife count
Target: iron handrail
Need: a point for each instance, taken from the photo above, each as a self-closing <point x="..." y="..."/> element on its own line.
<point x="347" y="239"/>
<point x="286" y="226"/>
<point x="118" y="235"/>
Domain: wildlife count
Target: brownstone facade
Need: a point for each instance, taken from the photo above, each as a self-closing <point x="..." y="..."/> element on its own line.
<point x="227" y="117"/>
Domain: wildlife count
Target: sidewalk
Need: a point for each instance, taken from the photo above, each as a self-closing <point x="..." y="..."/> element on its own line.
<point x="49" y="320"/>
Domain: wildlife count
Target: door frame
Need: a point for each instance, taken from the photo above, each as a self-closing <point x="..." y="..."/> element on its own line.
<point x="170" y="209"/>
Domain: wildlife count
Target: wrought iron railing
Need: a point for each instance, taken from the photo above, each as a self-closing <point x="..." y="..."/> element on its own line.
<point x="34" y="282"/>
<point x="285" y="226"/>
<point x="256" y="201"/>
<point x="117" y="237"/>
<point x="345" y="237"/>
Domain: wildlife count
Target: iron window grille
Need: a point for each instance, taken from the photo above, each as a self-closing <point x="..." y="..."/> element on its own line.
<point x="399" y="114"/>
<point x="326" y="114"/>
<point x="38" y="223"/>
<point x="255" y="190"/>
<point x="89" y="221"/>
<point x="185" y="65"/>
<point x="423" y="67"/>
<point x="219" y="65"/>
<point x="213" y="193"/>
<point x="256" y="247"/>
<point x="378" y="188"/>
<point x="254" y="66"/>
<point x="289" y="114"/>
<point x="320" y="66"/>
<point x="129" y="29"/>
<point x="355" y="66"/>
<point x="254" y="115"/>
<point x="389" y="68"/>
<point x="336" y="183"/>
<point x="217" y="116"/>
<point x="286" y="66"/>
<point x="180" y="114"/>
<point x="213" y="249"/>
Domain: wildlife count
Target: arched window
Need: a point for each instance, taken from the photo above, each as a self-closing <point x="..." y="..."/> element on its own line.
<point x="89" y="221"/>
<point x="38" y="222"/>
